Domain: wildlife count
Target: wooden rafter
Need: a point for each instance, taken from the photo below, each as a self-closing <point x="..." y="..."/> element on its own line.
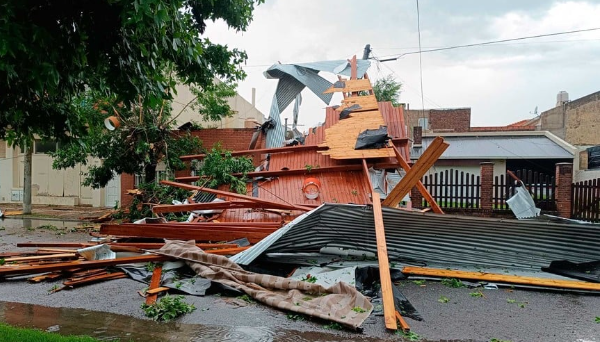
<point x="422" y="189"/>
<point x="414" y="175"/>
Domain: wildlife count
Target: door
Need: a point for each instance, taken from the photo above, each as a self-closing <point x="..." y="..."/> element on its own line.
<point x="113" y="192"/>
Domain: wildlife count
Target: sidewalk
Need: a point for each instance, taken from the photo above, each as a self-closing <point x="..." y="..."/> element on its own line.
<point x="14" y="210"/>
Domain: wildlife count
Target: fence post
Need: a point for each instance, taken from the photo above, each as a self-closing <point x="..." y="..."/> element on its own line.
<point x="487" y="187"/>
<point x="564" y="179"/>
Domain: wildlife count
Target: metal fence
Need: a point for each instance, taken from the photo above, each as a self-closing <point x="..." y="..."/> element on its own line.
<point x="453" y="189"/>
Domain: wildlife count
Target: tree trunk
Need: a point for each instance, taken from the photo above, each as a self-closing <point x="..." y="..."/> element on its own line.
<point x="150" y="173"/>
<point x="27" y="179"/>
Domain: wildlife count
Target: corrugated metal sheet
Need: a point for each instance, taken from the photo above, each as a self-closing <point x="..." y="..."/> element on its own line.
<point x="417" y="238"/>
<point x="498" y="147"/>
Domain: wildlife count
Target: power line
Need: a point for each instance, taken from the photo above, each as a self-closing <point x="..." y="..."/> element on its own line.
<point x="499" y="44"/>
<point x="420" y="63"/>
<point x="397" y="56"/>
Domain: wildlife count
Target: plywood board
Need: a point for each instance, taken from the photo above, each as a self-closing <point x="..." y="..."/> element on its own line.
<point x="368" y="102"/>
<point x="341" y="137"/>
<point x="351" y="86"/>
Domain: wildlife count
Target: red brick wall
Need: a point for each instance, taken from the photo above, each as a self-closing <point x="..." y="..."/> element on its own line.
<point x="564" y="178"/>
<point x="487" y="186"/>
<point x="457" y="120"/>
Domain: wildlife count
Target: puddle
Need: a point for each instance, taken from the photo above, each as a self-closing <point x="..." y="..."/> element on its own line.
<point x="13" y="224"/>
<point x="108" y="327"/>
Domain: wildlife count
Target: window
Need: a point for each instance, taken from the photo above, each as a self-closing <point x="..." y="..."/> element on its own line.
<point x="44" y="146"/>
<point x="424" y="122"/>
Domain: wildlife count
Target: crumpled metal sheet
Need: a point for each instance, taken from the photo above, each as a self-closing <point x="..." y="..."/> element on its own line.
<point x="522" y="205"/>
<point x="293" y="78"/>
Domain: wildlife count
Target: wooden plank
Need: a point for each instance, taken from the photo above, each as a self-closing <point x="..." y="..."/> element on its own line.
<point x="157" y="245"/>
<point x="414" y="175"/>
<point x="54" y="244"/>
<point x="261" y="151"/>
<point x="182" y="233"/>
<point x="269" y="204"/>
<point x="156" y="291"/>
<point x="422" y="189"/>
<point x="501" y="278"/>
<point x="115" y="228"/>
<point x="95" y="279"/>
<point x="403" y="325"/>
<point x="42" y="257"/>
<point x="351" y="86"/>
<point x="366" y="103"/>
<point x="84" y="264"/>
<point x="154" y="284"/>
<point x="385" y="279"/>
<point x="228" y="251"/>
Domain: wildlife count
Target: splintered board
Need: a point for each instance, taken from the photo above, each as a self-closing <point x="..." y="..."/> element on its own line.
<point x="351" y="86"/>
<point x="341" y="137"/>
<point x="367" y="102"/>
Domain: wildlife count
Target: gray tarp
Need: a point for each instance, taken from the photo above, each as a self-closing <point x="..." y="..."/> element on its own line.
<point x="334" y="303"/>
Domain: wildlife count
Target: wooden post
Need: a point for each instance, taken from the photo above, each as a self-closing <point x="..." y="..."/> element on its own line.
<point x="389" y="309"/>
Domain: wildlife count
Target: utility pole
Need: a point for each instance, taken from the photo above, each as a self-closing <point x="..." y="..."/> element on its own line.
<point x="367" y="51"/>
<point x="27" y="178"/>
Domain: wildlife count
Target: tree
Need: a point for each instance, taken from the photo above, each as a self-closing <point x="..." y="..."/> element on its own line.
<point x="145" y="137"/>
<point x="52" y="51"/>
<point x="387" y="89"/>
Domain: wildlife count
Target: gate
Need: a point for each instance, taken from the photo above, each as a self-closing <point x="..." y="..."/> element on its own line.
<point x="585" y="200"/>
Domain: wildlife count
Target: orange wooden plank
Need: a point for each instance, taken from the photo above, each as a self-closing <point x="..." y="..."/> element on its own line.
<point x="154" y="283"/>
<point x="414" y="175"/>
<point x="351" y="86"/>
<point x="422" y="189"/>
<point x="389" y="309"/>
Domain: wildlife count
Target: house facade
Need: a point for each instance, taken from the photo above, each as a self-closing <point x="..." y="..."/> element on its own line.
<point x="63" y="187"/>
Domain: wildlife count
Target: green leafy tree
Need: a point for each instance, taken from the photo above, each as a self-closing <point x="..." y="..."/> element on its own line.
<point x="52" y="51"/>
<point x="387" y="89"/>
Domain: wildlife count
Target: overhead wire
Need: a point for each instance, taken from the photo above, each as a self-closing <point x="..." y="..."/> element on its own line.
<point x="397" y="56"/>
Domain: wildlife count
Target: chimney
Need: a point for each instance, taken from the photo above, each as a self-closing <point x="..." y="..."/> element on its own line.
<point x="254" y="97"/>
<point x="417" y="135"/>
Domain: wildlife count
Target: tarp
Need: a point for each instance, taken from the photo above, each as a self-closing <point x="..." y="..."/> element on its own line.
<point x="372" y="138"/>
<point x="335" y="303"/>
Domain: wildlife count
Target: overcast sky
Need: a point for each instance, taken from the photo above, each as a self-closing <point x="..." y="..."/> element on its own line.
<point x="502" y="83"/>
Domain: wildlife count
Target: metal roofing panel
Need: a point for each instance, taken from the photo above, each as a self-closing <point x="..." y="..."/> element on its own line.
<point x="417" y="238"/>
<point x="498" y="147"/>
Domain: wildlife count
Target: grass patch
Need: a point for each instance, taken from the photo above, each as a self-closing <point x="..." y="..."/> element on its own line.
<point x="333" y="326"/>
<point x="8" y="333"/>
<point x="419" y="282"/>
<point x="408" y="335"/>
<point x="168" y="308"/>
<point x="597" y="319"/>
<point x="453" y="282"/>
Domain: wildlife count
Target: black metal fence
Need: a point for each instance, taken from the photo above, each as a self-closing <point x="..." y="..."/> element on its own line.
<point x="453" y="189"/>
<point x="585" y="200"/>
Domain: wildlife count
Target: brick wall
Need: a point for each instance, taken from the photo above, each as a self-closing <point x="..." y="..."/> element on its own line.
<point x="127" y="183"/>
<point x="456" y="120"/>
<point x="564" y="179"/>
<point x="487" y="186"/>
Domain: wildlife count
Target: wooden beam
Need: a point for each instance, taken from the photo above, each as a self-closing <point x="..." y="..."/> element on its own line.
<point x="154" y="284"/>
<point x="403" y="325"/>
<point x="142" y="245"/>
<point x="262" y="151"/>
<point x="367" y="176"/>
<point x="128" y="227"/>
<point x="389" y="309"/>
<point x="422" y="189"/>
<point x="414" y="175"/>
<point x="55" y="244"/>
<point x="156" y="291"/>
<point x="366" y="103"/>
<point x="501" y="278"/>
<point x="43" y="257"/>
<point x="83" y="264"/>
<point x="268" y="204"/>
<point x="182" y="233"/>
<point x="95" y="279"/>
